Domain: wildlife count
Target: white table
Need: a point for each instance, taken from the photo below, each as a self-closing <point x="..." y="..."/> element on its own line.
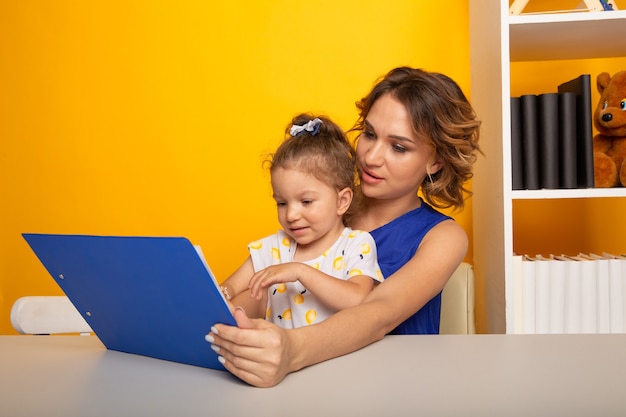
<point x="479" y="375"/>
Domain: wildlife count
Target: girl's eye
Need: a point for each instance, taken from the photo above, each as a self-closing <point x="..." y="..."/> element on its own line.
<point x="307" y="202"/>
<point x="281" y="204"/>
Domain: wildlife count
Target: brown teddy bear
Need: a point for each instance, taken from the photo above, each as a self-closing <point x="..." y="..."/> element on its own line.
<point x="609" y="118"/>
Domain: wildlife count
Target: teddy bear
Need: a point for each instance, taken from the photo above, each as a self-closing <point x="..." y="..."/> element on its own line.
<point x="609" y="144"/>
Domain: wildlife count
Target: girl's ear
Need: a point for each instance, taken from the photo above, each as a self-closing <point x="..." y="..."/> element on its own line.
<point x="344" y="199"/>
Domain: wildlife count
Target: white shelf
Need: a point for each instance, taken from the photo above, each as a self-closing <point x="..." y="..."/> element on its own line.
<point x="497" y="39"/>
<point x="573" y="193"/>
<point x="579" y="35"/>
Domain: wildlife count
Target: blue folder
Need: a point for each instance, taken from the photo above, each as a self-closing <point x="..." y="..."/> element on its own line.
<point x="151" y="296"/>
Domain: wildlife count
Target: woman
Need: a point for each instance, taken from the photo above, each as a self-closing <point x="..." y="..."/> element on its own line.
<point x="417" y="131"/>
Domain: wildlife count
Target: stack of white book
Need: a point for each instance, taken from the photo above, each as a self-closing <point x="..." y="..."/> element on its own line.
<point x="585" y="293"/>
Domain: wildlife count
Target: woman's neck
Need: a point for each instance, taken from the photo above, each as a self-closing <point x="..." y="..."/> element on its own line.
<point x="375" y="213"/>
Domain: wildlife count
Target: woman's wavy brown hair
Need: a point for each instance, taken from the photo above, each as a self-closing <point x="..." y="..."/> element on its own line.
<point x="444" y="118"/>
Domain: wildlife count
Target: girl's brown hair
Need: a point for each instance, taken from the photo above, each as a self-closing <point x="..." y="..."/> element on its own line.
<point x="324" y="153"/>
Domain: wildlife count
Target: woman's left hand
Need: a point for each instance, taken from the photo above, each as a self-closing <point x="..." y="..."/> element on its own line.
<point x="256" y="351"/>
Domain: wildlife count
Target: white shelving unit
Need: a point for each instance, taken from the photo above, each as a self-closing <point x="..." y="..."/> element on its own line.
<point x="497" y="39"/>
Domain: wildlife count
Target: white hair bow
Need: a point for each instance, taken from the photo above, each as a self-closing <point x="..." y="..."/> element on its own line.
<point x="311" y="126"/>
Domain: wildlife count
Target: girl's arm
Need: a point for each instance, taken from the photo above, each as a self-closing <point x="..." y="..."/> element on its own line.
<point x="262" y="354"/>
<point x="254" y="308"/>
<point x="235" y="288"/>
<point x="332" y="291"/>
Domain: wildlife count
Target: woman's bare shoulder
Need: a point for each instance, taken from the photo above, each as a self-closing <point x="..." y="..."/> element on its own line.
<point x="448" y="232"/>
<point x="441" y="251"/>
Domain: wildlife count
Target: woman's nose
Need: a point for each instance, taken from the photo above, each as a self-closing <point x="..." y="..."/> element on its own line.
<point x="374" y="155"/>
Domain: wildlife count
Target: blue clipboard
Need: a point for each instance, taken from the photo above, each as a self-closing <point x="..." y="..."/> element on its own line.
<point x="151" y="296"/>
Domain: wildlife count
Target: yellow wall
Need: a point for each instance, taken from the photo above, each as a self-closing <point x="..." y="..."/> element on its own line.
<point x="151" y="118"/>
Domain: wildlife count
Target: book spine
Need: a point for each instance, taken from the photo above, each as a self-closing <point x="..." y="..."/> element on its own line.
<point x="581" y="86"/>
<point x="542" y="296"/>
<point x="567" y="141"/>
<point x="616" y="293"/>
<point x="589" y="297"/>
<point x="517" y="163"/>
<point x="557" y="296"/>
<point x="623" y="285"/>
<point x="604" y="311"/>
<point x="528" y="295"/>
<point x="548" y="138"/>
<point x="530" y="141"/>
<point x="585" y="127"/>
<point x="573" y="297"/>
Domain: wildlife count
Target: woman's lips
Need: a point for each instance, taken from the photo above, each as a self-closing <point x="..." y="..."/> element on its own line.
<point x="369" y="177"/>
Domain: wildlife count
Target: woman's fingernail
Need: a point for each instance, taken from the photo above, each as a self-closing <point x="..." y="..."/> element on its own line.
<point x="214" y="330"/>
<point x="221" y="360"/>
<point x="209" y="338"/>
<point x="215" y="348"/>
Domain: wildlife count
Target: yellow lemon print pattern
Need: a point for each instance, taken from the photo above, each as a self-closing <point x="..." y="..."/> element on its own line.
<point x="338" y="263"/>
<point x="355" y="272"/>
<point x="286" y="315"/>
<point x="290" y="306"/>
<point x="310" y="316"/>
<point x="298" y="299"/>
<point x="280" y="288"/>
<point x="365" y="248"/>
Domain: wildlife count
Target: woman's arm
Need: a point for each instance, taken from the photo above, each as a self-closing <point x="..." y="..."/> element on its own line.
<point x="333" y="292"/>
<point x="262" y="354"/>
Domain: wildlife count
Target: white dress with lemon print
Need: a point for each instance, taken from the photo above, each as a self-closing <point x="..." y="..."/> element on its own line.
<point x="290" y="304"/>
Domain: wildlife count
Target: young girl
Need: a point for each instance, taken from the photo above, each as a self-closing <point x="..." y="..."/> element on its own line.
<point x="418" y="132"/>
<point x="315" y="265"/>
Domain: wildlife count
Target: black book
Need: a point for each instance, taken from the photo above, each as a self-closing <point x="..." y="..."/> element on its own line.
<point x="517" y="164"/>
<point x="568" y="177"/>
<point x="530" y="141"/>
<point x="548" y="139"/>
<point x="581" y="86"/>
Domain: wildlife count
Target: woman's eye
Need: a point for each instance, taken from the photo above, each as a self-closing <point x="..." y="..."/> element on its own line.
<point x="399" y="148"/>
<point x="368" y="135"/>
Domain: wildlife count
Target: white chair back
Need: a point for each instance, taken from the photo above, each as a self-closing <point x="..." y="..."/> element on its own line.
<point x="47" y="315"/>
<point x="457" y="302"/>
